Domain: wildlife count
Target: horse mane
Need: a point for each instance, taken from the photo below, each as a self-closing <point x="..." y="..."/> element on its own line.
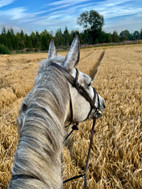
<point x="41" y="118"/>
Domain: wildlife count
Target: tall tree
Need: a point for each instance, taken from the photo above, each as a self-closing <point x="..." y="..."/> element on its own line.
<point x="141" y="34"/>
<point x="92" y="22"/>
<point x="124" y="35"/>
<point x="3" y="30"/>
<point x="136" y="35"/>
<point x="66" y="36"/>
<point x="115" y="37"/>
<point x="45" y="39"/>
<point x="4" y="36"/>
<point x="28" y="42"/>
<point x="9" y="39"/>
<point x="38" y="42"/>
<point x="33" y="38"/>
<point x="59" y="40"/>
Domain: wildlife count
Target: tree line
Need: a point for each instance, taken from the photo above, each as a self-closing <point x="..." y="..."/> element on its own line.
<point x="92" y="23"/>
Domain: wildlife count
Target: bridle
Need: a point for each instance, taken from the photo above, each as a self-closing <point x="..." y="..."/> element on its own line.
<point x="74" y="82"/>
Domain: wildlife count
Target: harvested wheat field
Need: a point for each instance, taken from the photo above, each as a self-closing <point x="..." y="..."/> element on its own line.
<point x="116" y="156"/>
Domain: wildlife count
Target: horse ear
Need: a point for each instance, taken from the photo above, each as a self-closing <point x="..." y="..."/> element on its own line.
<point x="72" y="57"/>
<point x="52" y="50"/>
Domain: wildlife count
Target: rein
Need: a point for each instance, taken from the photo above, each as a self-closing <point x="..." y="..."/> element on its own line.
<point x="74" y="82"/>
<point x="88" y="156"/>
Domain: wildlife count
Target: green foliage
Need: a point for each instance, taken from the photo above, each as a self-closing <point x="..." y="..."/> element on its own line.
<point x="115" y="37"/>
<point x="92" y="34"/>
<point x="66" y="36"/>
<point x="96" y="21"/>
<point x="124" y="35"/>
<point x="91" y="20"/>
<point x="136" y="35"/>
<point x="4" y="49"/>
<point x="141" y="34"/>
<point x="45" y="38"/>
<point x="83" y="19"/>
<point x="59" y="38"/>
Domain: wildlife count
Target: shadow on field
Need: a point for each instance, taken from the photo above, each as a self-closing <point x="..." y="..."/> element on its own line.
<point x="87" y="55"/>
<point x="95" y="68"/>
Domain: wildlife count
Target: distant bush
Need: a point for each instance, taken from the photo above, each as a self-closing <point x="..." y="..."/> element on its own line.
<point x="4" y="49"/>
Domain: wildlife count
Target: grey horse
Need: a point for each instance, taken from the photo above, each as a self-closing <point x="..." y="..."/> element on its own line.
<point x="42" y="117"/>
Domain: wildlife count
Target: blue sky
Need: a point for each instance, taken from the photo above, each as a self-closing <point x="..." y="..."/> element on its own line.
<point x="37" y="15"/>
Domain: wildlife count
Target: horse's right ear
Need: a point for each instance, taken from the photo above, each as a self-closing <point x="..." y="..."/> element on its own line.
<point x="52" y="50"/>
<point x="72" y="57"/>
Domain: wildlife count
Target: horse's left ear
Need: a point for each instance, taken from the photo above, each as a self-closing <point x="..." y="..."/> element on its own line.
<point x="72" y="57"/>
<point x="52" y="50"/>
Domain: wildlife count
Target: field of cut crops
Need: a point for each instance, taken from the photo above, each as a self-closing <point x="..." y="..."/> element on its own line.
<point x="116" y="156"/>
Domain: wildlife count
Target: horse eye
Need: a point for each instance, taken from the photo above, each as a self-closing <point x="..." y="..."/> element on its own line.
<point x="24" y="107"/>
<point x="89" y="84"/>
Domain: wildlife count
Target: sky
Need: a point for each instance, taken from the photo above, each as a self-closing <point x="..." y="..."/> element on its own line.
<point x="37" y="15"/>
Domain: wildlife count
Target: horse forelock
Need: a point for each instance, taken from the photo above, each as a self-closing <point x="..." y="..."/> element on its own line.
<point x="45" y="63"/>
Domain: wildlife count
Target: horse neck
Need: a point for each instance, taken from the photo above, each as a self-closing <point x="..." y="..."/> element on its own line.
<point x="41" y="138"/>
<point x="54" y="89"/>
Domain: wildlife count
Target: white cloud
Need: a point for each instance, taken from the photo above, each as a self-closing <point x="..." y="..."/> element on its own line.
<point x="109" y="3"/>
<point x="129" y="24"/>
<point x="58" y="5"/>
<point x="67" y="2"/>
<point x="5" y="2"/>
<point x="65" y="12"/>
<point x="18" y="14"/>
